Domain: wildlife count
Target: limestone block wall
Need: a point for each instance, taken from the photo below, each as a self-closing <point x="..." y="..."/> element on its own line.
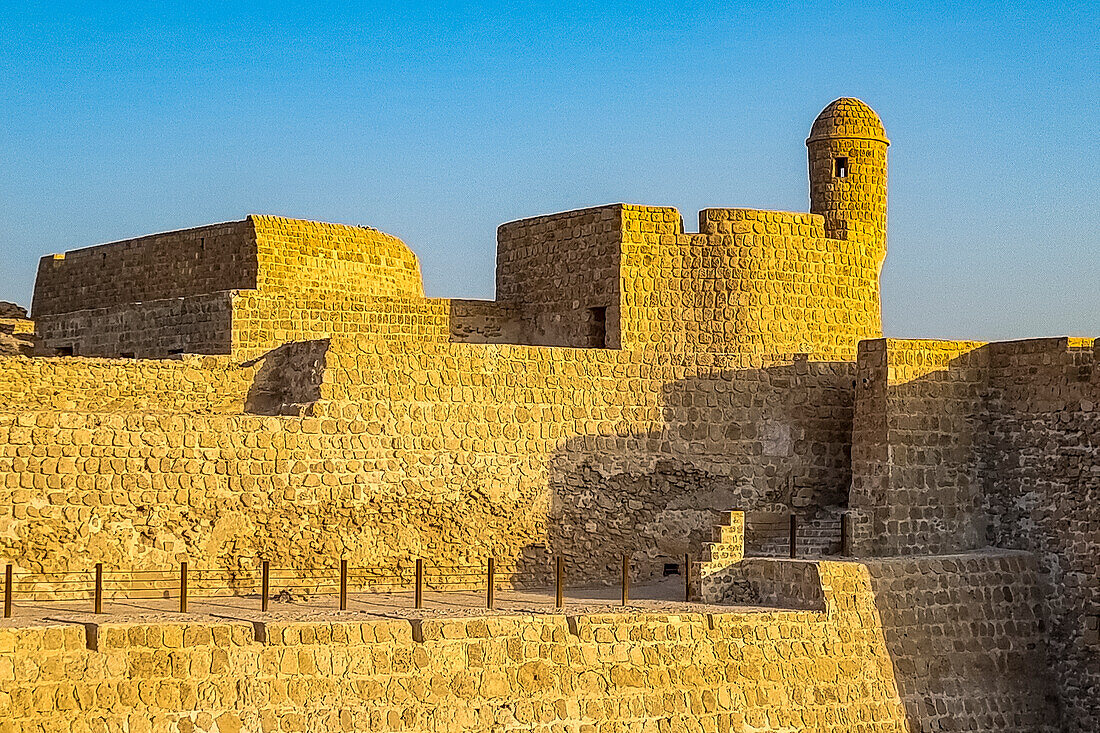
<point x="447" y="451"/>
<point x="1041" y="480"/>
<point x="206" y="384"/>
<point x="316" y="258"/>
<point x="561" y="273"/>
<point x="752" y="282"/>
<point x="177" y="292"/>
<point x="737" y="672"/>
<point x="917" y="411"/>
<point x="968" y="658"/>
<point x="755" y="221"/>
<point x="483" y="322"/>
<point x="265" y="321"/>
<point x="960" y="444"/>
<point x="171" y="265"/>
<point x="967" y="635"/>
<point x="197" y="324"/>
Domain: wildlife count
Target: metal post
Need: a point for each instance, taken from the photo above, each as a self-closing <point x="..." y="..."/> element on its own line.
<point x="343" y="585"/>
<point x="559" y="574"/>
<point x="794" y="536"/>
<point x="8" y="591"/>
<point x="844" y="528"/>
<point x="98" y="594"/>
<point x="183" y="587"/>
<point x="264" y="584"/>
<point x="626" y="579"/>
<point x="419" y="594"/>
<point x="687" y="578"/>
<point x="490" y="594"/>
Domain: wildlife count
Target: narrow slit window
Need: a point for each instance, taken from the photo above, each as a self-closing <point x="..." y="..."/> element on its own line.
<point x="597" y="335"/>
<point x="841" y="167"/>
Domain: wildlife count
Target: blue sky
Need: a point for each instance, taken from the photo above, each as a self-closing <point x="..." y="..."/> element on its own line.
<point x="438" y="123"/>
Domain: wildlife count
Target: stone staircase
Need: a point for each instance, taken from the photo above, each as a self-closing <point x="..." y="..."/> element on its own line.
<point x="818" y="537"/>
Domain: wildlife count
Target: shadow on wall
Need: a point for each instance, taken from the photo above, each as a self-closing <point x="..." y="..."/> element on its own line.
<point x="959" y="446"/>
<point x="775" y="439"/>
<point x="289" y="380"/>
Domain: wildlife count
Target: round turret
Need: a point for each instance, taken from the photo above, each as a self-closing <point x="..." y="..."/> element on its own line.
<point x="847" y="155"/>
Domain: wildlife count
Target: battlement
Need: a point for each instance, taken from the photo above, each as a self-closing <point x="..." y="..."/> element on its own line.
<point x="763" y="284"/>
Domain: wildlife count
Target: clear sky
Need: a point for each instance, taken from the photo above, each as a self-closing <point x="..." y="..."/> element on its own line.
<point x="438" y="123"/>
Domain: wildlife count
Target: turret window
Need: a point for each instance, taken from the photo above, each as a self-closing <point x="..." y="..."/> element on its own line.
<point x="840" y="167"/>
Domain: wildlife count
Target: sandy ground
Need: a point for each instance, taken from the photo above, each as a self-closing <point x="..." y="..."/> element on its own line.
<point x="665" y="596"/>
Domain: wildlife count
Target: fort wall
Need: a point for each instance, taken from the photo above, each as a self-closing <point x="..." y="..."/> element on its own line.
<point x="188" y="262"/>
<point x="195" y="324"/>
<point x="308" y="258"/>
<point x="406" y="449"/>
<point x="756" y="294"/>
<point x="850" y="666"/>
<point x="189" y="384"/>
<point x="561" y="273"/>
<point x="958" y="445"/>
<point x="914" y="458"/>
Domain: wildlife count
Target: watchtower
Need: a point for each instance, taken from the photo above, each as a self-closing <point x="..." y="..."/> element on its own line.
<point x="847" y="154"/>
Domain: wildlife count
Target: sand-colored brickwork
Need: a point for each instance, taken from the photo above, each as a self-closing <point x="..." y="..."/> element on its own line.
<point x="206" y="384"/>
<point x="178" y="264"/>
<point x="847" y="148"/>
<point x="452" y="451"/>
<point x="771" y="288"/>
<point x="962" y="444"/>
<point x="854" y="663"/>
<point x="299" y="257"/>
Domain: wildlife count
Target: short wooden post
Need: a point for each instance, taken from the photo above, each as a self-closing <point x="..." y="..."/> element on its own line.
<point x="418" y="594"/>
<point x="265" y="577"/>
<point x="794" y="536"/>
<point x="626" y="580"/>
<point x="343" y="585"/>
<point x="687" y="578"/>
<point x="8" y="591"/>
<point x="845" y="549"/>
<point x="183" y="587"/>
<point x="490" y="592"/>
<point x="98" y="592"/>
<point x="559" y="575"/>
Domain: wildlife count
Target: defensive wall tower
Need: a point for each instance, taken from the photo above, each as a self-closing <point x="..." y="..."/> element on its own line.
<point x="847" y="154"/>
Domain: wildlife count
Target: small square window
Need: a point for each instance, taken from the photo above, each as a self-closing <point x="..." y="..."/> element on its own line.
<point x="840" y="170"/>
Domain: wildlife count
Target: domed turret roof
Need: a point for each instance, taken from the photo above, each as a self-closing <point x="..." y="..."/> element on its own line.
<point x="848" y="117"/>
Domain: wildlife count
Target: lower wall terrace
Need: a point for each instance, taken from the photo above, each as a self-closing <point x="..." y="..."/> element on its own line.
<point x="846" y="668"/>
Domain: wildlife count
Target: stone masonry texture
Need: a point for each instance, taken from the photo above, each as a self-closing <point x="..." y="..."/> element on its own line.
<point x="278" y="389"/>
<point x="857" y="662"/>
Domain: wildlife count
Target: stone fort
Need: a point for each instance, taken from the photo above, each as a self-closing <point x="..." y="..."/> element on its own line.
<point x="281" y="389"/>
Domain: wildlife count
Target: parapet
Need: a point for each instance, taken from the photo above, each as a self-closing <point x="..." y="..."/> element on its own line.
<point x="266" y="253"/>
<point x="756" y="221"/>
